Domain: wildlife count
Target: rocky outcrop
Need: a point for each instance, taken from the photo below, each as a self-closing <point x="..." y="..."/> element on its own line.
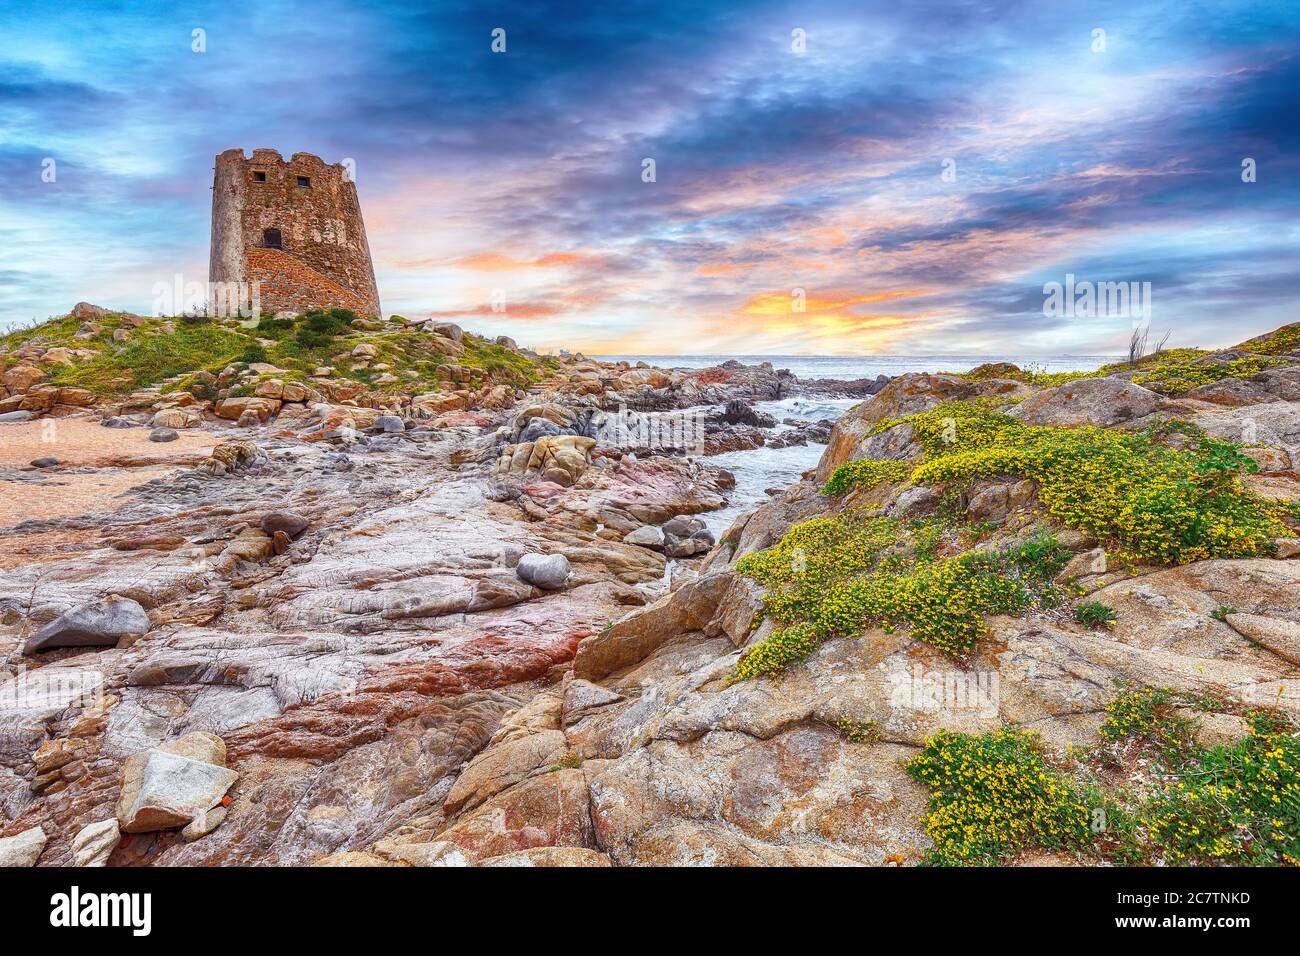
<point x="469" y="631"/>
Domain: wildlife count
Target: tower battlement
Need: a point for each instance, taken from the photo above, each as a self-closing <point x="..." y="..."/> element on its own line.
<point x="295" y="228"/>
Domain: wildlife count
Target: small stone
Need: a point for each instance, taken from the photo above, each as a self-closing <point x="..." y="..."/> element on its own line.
<point x="390" y="423"/>
<point x="163" y="434"/>
<point x="545" y="571"/>
<point x="280" y="542"/>
<point x="95" y="843"/>
<point x="203" y="824"/>
<point x="248" y="419"/>
<point x="49" y="461"/>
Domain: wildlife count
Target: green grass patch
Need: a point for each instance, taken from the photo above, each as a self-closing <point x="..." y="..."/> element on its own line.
<point x="147" y="360"/>
<point x="1094" y="614"/>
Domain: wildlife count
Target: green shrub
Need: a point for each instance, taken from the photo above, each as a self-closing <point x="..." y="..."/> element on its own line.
<point x="254" y="353"/>
<point x="269" y="327"/>
<point x="317" y="328"/>
<point x="1094" y="614"/>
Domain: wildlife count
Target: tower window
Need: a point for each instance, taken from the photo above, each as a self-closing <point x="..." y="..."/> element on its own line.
<point x="304" y="181"/>
<point x="259" y="176"/>
<point x="271" y="239"/>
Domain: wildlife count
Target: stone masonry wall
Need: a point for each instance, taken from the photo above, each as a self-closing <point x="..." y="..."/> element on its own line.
<point x="324" y="258"/>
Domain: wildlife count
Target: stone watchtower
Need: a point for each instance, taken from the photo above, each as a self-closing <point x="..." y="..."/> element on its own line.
<point x="294" y="228"/>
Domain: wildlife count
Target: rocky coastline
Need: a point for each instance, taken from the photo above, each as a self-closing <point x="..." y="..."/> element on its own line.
<point x="355" y="592"/>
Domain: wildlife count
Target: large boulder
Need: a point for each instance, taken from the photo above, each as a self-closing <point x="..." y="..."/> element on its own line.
<point x="88" y="311"/>
<point x="176" y="418"/>
<point x="1270" y="423"/>
<point x="22" y="377"/>
<point x="564" y="457"/>
<point x="97" y="624"/>
<point x="905" y="395"/>
<point x="647" y="536"/>
<point x="1105" y="402"/>
<point x="737" y="412"/>
<point x="635" y="636"/>
<point x="289" y="522"/>
<point x="448" y="330"/>
<point x="174" y="784"/>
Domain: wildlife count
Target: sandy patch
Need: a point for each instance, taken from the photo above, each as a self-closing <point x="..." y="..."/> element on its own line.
<point x="59" y="496"/>
<point x="126" y="456"/>
<point x="79" y="441"/>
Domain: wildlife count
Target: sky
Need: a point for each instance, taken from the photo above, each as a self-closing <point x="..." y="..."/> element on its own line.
<point x="829" y="178"/>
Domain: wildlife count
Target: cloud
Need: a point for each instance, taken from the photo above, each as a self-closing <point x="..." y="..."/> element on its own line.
<point x="519" y="175"/>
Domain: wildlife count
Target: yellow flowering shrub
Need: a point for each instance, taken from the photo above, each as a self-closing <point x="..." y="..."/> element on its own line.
<point x="1237" y="805"/>
<point x="1283" y="341"/>
<point x="1162" y="505"/>
<point x="1144" y="713"/>
<point x="992" y="795"/>
<point x="864" y="473"/>
<point x="1179" y="378"/>
<point x="834" y="576"/>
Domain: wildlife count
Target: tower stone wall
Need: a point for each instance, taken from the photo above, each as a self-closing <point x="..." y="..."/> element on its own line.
<point x="294" y="228"/>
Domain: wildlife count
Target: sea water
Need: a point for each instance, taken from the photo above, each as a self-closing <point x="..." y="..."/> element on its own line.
<point x="761" y="469"/>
